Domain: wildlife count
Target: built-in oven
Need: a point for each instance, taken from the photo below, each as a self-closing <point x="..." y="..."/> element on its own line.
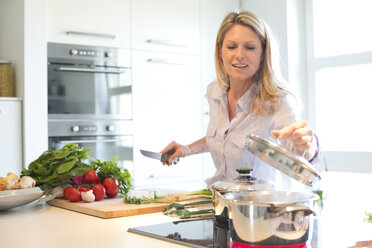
<point x="106" y="139"/>
<point x="90" y="100"/>
<point x="85" y="81"/>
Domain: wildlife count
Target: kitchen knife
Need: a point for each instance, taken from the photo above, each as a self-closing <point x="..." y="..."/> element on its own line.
<point x="163" y="157"/>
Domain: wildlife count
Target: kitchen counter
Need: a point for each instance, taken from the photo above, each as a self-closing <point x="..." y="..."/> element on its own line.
<point x="40" y="225"/>
<point x="43" y="226"/>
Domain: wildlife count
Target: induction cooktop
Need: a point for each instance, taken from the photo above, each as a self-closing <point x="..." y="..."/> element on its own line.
<point x="202" y="233"/>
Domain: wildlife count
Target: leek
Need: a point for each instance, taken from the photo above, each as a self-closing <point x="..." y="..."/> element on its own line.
<point x="178" y="206"/>
<point x="186" y="213"/>
<point x="171" y="198"/>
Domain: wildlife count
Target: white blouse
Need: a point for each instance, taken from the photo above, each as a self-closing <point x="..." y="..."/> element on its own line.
<point x="227" y="147"/>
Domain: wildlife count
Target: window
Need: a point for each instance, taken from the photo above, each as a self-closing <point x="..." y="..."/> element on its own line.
<point x="340" y="80"/>
<point x="342" y="27"/>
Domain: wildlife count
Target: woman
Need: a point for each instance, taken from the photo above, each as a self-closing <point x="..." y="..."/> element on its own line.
<point x="247" y="97"/>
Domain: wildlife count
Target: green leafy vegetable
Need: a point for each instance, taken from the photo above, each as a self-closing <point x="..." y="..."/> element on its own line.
<point x="57" y="167"/>
<point x="142" y="200"/>
<point x="368" y="217"/>
<point x="111" y="169"/>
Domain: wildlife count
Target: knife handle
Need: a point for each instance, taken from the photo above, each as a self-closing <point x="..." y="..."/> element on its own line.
<point x="165" y="158"/>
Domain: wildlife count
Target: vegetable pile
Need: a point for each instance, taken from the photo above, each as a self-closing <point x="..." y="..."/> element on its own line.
<point x="89" y="188"/>
<point x="81" y="176"/>
<point x="12" y="181"/>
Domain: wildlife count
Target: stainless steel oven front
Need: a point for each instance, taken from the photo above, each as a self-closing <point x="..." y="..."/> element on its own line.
<point x="89" y="81"/>
<point x="106" y="139"/>
<point x="90" y="100"/>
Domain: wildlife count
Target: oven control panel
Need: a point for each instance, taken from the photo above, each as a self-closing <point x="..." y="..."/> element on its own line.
<point x="80" y="128"/>
<point x="87" y="128"/>
<point x="89" y="53"/>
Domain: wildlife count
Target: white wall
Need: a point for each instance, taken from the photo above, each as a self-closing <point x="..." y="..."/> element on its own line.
<point x="274" y="13"/>
<point x="286" y="18"/>
<point x="23" y="42"/>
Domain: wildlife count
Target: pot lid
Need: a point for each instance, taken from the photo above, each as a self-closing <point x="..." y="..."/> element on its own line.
<point x="244" y="182"/>
<point x="280" y="158"/>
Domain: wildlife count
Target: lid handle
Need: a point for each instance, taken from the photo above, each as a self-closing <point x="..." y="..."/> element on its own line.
<point x="245" y="174"/>
<point x="244" y="171"/>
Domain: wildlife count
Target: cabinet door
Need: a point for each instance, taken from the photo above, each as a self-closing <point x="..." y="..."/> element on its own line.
<point x="167" y="106"/>
<point x="89" y="22"/>
<point x="11" y="137"/>
<point x="166" y="25"/>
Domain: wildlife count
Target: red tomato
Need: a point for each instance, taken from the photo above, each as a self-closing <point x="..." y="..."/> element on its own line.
<point x="99" y="191"/>
<point x="72" y="194"/>
<point x="82" y="188"/>
<point x="111" y="186"/>
<point x="90" y="177"/>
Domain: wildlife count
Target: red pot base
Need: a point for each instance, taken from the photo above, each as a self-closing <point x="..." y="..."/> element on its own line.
<point x="234" y="244"/>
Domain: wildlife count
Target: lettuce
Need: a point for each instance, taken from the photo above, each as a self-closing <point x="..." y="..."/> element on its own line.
<point x="58" y="167"/>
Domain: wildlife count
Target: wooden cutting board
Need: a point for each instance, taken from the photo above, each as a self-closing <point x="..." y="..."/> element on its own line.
<point x="109" y="208"/>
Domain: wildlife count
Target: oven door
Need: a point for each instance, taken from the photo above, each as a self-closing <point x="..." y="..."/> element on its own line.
<point x="104" y="148"/>
<point x="85" y="89"/>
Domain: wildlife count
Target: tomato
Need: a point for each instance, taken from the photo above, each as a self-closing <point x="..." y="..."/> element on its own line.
<point x="111" y="186"/>
<point x="90" y="177"/>
<point x="72" y="194"/>
<point x="82" y="188"/>
<point x="99" y="191"/>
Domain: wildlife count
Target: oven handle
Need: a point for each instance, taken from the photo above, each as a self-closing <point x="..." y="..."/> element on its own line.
<point x="64" y="142"/>
<point x="93" y="70"/>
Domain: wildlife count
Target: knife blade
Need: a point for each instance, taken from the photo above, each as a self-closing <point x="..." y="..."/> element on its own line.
<point x="163" y="157"/>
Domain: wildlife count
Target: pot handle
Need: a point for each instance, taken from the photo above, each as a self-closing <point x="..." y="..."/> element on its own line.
<point x="281" y="210"/>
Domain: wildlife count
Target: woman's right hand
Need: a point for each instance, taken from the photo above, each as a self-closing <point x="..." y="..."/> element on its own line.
<point x="175" y="150"/>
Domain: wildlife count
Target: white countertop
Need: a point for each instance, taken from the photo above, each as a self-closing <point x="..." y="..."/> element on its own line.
<point x="43" y="226"/>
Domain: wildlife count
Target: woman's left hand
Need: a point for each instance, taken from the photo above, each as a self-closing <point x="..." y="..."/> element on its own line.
<point x="299" y="133"/>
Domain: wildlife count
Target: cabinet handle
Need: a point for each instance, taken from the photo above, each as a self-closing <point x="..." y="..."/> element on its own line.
<point x="162" y="61"/>
<point x="152" y="176"/>
<point x="165" y="43"/>
<point x="108" y="36"/>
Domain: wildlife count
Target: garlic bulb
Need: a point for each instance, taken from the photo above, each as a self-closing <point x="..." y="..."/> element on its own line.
<point x="88" y="196"/>
<point x="25" y="182"/>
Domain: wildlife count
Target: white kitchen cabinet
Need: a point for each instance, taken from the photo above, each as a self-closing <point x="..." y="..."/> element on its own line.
<point x="167" y="106"/>
<point x="11" y="136"/>
<point x="166" y="25"/>
<point x="89" y="22"/>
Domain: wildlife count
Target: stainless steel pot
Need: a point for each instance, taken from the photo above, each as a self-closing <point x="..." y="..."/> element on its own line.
<point x="270" y="217"/>
<point x="243" y="183"/>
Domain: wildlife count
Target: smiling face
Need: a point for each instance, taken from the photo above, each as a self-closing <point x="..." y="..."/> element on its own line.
<point x="241" y="53"/>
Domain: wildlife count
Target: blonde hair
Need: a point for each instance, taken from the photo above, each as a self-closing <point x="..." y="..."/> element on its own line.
<point x="269" y="85"/>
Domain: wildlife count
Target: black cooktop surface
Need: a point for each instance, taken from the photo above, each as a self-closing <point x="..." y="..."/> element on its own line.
<point x="192" y="233"/>
<point x="198" y="233"/>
